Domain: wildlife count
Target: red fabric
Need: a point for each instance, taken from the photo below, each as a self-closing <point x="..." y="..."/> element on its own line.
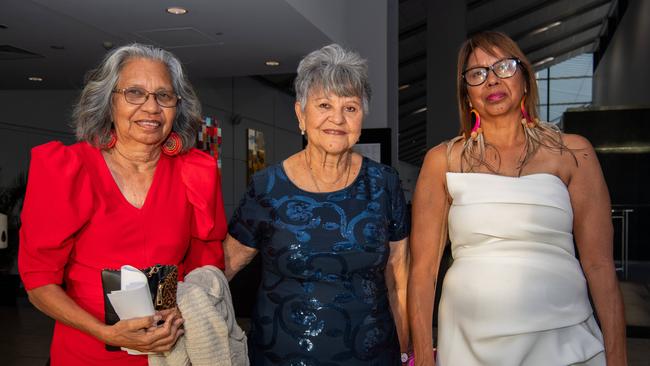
<point x="76" y="222"/>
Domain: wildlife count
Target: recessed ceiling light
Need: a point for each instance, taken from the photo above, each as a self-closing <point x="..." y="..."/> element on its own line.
<point x="272" y="63"/>
<point x="405" y="86"/>
<point x="542" y="62"/>
<point x="35" y="78"/>
<point x="423" y="109"/>
<point x="545" y="28"/>
<point x="176" y="10"/>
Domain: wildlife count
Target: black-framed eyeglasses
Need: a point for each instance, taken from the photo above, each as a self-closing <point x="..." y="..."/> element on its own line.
<point x="504" y="68"/>
<point x="139" y="96"/>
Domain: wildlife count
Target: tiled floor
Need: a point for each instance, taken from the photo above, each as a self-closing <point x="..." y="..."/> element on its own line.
<point x="25" y="332"/>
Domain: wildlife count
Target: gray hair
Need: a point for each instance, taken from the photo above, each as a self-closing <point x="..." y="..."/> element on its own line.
<point x="336" y="70"/>
<point x="92" y="118"/>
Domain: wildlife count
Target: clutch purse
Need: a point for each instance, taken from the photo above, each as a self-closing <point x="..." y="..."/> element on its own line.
<point x="162" y="281"/>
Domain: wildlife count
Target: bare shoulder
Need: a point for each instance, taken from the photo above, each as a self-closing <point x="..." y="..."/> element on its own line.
<point x="581" y="148"/>
<point x="436" y="158"/>
<point x="435" y="165"/>
<point x="576" y="142"/>
<point x="437" y="152"/>
<point x="586" y="166"/>
<point x="446" y="152"/>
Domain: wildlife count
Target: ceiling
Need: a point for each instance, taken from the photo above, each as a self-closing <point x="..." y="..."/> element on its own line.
<point x="573" y="27"/>
<point x="60" y="40"/>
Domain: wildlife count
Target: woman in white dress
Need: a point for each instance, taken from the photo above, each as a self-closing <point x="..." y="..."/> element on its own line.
<point x="513" y="194"/>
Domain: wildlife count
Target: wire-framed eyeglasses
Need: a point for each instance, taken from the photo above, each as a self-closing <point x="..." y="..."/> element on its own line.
<point x="503" y="69"/>
<point x="138" y="96"/>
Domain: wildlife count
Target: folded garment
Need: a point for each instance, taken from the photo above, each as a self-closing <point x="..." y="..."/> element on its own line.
<point x="212" y="336"/>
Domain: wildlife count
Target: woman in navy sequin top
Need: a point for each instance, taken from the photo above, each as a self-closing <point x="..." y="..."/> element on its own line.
<point x="331" y="227"/>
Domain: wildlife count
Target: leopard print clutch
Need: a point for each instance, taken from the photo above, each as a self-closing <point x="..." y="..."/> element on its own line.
<point x="166" y="289"/>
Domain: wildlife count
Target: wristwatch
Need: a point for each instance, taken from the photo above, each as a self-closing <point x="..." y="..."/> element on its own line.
<point x="404" y="357"/>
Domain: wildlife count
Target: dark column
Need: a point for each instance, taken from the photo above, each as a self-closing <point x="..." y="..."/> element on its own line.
<point x="446" y="30"/>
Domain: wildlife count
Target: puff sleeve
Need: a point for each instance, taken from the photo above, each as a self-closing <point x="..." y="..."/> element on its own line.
<point x="58" y="203"/>
<point x="251" y="224"/>
<point x="203" y="182"/>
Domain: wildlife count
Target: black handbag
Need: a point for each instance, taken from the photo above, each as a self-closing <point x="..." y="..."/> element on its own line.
<point x="162" y="280"/>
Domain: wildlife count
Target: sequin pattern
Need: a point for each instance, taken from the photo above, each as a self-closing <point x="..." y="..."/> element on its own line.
<point x="323" y="299"/>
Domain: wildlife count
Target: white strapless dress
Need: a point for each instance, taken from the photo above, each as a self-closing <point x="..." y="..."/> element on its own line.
<point x="515" y="294"/>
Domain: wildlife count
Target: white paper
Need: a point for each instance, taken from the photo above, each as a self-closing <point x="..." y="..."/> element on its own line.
<point x="133" y="300"/>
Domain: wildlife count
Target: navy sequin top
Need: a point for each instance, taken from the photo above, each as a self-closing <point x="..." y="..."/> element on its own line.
<point x="323" y="298"/>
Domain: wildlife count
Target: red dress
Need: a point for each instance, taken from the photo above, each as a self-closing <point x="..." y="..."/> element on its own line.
<point x="76" y="222"/>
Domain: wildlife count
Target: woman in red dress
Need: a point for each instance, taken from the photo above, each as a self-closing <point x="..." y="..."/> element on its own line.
<point x="132" y="191"/>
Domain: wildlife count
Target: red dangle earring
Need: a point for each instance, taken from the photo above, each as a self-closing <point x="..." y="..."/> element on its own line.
<point x="476" y="118"/>
<point x="111" y="141"/>
<point x="173" y="145"/>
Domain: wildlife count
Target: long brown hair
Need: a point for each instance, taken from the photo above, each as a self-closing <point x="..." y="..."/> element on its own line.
<point x="537" y="134"/>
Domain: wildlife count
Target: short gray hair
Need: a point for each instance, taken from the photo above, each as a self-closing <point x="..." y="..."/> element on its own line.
<point x="91" y="117"/>
<point x="333" y="69"/>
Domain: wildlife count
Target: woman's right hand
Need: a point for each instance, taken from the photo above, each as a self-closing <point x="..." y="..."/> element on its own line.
<point x="142" y="334"/>
<point x="412" y="362"/>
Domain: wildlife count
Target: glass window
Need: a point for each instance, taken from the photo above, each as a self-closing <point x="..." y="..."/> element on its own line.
<point x="582" y="65"/>
<point x="542" y="86"/>
<point x="568" y="85"/>
<point x="571" y="91"/>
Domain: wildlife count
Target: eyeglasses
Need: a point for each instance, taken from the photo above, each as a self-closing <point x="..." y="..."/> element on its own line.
<point x="504" y="69"/>
<point x="139" y="96"/>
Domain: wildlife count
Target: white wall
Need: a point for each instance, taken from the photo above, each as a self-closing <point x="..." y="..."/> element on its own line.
<point x="260" y="107"/>
<point x="30" y="118"/>
<point x="371" y="28"/>
<point x="622" y="76"/>
<point x="328" y="16"/>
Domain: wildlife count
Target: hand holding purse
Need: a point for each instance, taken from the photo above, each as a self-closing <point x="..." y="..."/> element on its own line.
<point x="162" y="281"/>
